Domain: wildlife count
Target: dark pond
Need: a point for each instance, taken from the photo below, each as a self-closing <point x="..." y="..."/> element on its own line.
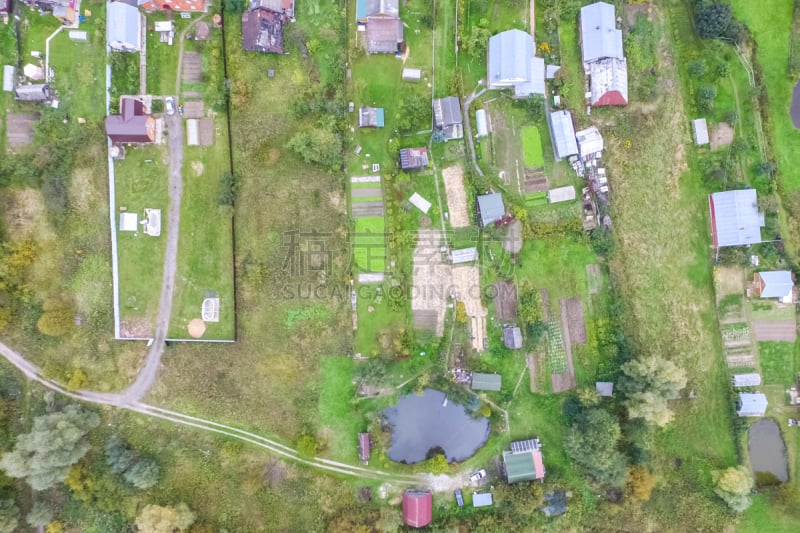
<point x="421" y="424"/>
<point x="794" y="110"/>
<point x="767" y="453"/>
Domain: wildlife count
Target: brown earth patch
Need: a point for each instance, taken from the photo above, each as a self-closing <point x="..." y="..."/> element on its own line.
<point x="721" y="135"/>
<point x="575" y="321"/>
<point x="198" y="168"/>
<point x="775" y="330"/>
<point x="504" y="297"/>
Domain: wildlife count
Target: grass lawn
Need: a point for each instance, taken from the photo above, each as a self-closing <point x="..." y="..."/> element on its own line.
<point x="771" y="29"/>
<point x="141" y="182"/>
<point x="338" y="416"/>
<point x="532" y="146"/>
<point x="778" y="362"/>
<point x="369" y="244"/>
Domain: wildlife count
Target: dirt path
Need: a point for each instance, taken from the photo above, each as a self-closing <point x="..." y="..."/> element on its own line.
<point x="456" y="196"/>
<point x="468" y="129"/>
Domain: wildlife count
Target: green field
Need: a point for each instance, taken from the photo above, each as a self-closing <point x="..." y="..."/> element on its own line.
<point x="369" y="244"/>
<point x="532" y="146"/>
<point x="536" y="199"/>
<point x="777" y="362"/>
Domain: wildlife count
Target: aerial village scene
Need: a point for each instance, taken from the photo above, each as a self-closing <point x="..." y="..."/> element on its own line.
<point x="389" y="265"/>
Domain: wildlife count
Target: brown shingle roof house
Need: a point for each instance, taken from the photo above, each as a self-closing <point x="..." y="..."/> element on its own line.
<point x="384" y="35"/>
<point x="262" y="31"/>
<point x="132" y="125"/>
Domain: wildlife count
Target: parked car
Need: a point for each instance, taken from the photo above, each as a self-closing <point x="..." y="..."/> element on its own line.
<point x="477" y="476"/>
<point x="169" y="105"/>
<point x="460" y="498"/>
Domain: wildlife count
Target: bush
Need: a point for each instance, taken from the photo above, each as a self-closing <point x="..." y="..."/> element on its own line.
<point x="227" y="189"/>
<point x="716" y="21"/>
<point x="705" y="98"/>
<point x="697" y="69"/>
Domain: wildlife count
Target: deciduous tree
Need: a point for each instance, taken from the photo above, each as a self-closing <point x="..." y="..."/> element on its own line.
<point x="592" y="444"/>
<point x="9" y="516"/>
<point x="648" y="384"/>
<point x="143" y="474"/>
<point x="56" y="442"/>
<point x="640" y="483"/>
<point x="40" y="514"/>
<point x="318" y="146"/>
<point x="160" y="519"/>
<point x="716" y="21"/>
<point x="733" y="485"/>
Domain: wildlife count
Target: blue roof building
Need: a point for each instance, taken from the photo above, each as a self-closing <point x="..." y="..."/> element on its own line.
<point x="512" y="64"/>
<point x="600" y="37"/>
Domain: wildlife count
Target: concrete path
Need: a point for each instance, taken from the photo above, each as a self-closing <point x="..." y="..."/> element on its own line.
<point x="468" y="129"/>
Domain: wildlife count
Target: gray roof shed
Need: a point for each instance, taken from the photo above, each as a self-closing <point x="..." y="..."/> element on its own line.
<point x="604" y="388"/>
<point x="735" y="219"/>
<point x="746" y="380"/>
<point x="512" y="337"/>
<point x="752" y="404"/>
<point x="447" y="117"/>
<point x="600" y="37"/>
<point x="700" y="131"/>
<point x="564" y="143"/>
<point x="481" y="381"/>
<point x="490" y="208"/>
<point x="483" y="499"/>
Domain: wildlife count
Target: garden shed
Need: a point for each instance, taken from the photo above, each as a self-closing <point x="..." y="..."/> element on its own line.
<point x="480" y="123"/>
<point x="490" y="208"/>
<point x="752" y="404"/>
<point x="370" y="117"/>
<point x="490" y="382"/>
<point x="590" y="142"/>
<point x="775" y="284"/>
<point x="512" y="337"/>
<point x="561" y="194"/>
<point x="417" y="507"/>
<point x="747" y="380"/>
<point x="563" y="130"/>
<point x="412" y="74"/>
<point x="482" y="499"/>
<point x="700" y="131"/>
<point x="465" y="255"/>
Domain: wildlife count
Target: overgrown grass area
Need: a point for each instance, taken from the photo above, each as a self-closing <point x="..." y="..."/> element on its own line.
<point x="339" y="419"/>
<point x="532" y="147"/>
<point x="778" y="362"/>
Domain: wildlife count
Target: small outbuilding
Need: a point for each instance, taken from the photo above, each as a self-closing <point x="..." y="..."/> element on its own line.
<point x="752" y="404"/>
<point x="413" y="158"/>
<point x="370" y="117"/>
<point x="128" y="221"/>
<point x="561" y="194"/>
<point x="363" y="447"/>
<point x="33" y="93"/>
<point x="700" y="131"/>
<point x="775" y="284"/>
<point x="420" y="203"/>
<point x="490" y="382"/>
<point x="590" y="143"/>
<point x="9" y="78"/>
<point x="746" y="380"/>
<point x="192" y="132"/>
<point x="512" y="337"/>
<point x="412" y="74"/>
<point x="735" y="218"/>
<point x="563" y="131"/>
<point x="480" y="123"/>
<point x="524" y="461"/>
<point x="417" y="507"/>
<point x="447" y="117"/>
<point x="604" y="388"/>
<point x="465" y="255"/>
<point x="490" y="208"/>
<point x="482" y="499"/>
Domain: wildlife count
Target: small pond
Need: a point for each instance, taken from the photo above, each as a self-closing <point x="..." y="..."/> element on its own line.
<point x="767" y="453"/>
<point x="794" y="110"/>
<point x="424" y="423"/>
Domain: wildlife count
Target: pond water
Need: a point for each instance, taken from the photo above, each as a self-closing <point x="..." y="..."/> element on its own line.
<point x="794" y="110"/>
<point x="423" y="423"/>
<point x="767" y="453"/>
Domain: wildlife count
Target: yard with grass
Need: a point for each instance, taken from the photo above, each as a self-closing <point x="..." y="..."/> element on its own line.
<point x="778" y="362"/>
<point x="369" y="244"/>
<point x="532" y="147"/>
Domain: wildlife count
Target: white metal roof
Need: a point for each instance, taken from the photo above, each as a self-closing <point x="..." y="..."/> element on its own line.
<point x="123" y="27"/>
<point x="752" y="404"/>
<point x="510" y="54"/>
<point x="777" y="284"/>
<point x="9" y="72"/>
<point x="746" y="380"/>
<point x="600" y="37"/>
<point x="421" y="203"/>
<point x="128" y="222"/>
<point x="735" y="219"/>
<point x="700" y="131"/>
<point x="561" y="194"/>
<point x="192" y="132"/>
<point x="564" y="143"/>
<point x="480" y="123"/>
<point x="607" y="76"/>
<point x="589" y="141"/>
<point x="465" y="255"/>
<point x="483" y="499"/>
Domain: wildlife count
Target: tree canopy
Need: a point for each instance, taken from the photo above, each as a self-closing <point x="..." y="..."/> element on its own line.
<point x="161" y="519"/>
<point x="319" y="146"/>
<point x="716" y="21"/>
<point x="733" y="485"/>
<point x="57" y="441"/>
<point x="648" y="384"/>
<point x="592" y="444"/>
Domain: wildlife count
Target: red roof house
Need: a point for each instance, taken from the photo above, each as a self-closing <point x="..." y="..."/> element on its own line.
<point x="173" y="5"/>
<point x="132" y="125"/>
<point x="417" y="507"/>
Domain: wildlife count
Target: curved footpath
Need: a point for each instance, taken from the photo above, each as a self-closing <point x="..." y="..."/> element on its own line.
<point x="34" y="373"/>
